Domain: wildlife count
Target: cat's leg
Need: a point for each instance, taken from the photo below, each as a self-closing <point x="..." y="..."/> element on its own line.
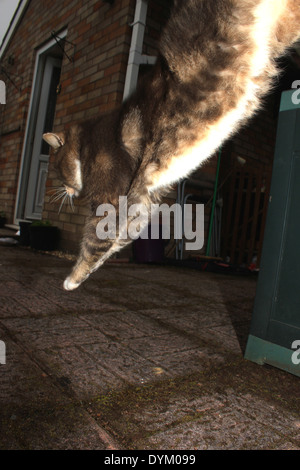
<point x="89" y="260"/>
<point x="95" y="251"/>
<point x="88" y="263"/>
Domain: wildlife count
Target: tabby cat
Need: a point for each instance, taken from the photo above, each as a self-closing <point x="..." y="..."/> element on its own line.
<point x="216" y="61"/>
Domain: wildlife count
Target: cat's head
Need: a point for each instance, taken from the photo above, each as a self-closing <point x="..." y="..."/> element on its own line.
<point x="67" y="159"/>
<point x="99" y="155"/>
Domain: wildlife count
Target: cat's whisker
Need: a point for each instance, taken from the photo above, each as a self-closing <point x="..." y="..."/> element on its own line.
<point x="71" y="202"/>
<point x="59" y="193"/>
<point x="56" y="197"/>
<point x="62" y="202"/>
<point x="54" y="189"/>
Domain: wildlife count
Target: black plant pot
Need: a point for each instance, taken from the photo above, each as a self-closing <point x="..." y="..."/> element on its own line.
<point x="24" y="238"/>
<point x="149" y="250"/>
<point x="44" y="238"/>
<point x="2" y="221"/>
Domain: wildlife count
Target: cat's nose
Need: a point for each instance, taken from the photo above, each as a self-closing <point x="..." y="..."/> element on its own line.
<point x="70" y="191"/>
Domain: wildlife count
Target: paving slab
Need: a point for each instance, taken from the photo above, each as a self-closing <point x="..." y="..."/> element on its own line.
<point x="139" y="357"/>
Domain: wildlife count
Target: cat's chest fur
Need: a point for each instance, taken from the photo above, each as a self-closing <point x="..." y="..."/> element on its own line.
<point x="247" y="50"/>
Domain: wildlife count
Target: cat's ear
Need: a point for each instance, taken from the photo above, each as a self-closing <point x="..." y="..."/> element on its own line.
<point x="132" y="132"/>
<point x="54" y="140"/>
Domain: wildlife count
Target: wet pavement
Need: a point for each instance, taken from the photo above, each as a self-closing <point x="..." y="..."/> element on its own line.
<point x="139" y="357"/>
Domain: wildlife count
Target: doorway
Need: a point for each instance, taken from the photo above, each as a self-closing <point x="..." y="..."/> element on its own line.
<point x="35" y="155"/>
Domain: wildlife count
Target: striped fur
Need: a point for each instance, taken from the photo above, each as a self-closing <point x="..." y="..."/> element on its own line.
<point x="216" y="62"/>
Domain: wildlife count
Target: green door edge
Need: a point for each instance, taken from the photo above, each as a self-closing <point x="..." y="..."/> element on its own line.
<point x="262" y="352"/>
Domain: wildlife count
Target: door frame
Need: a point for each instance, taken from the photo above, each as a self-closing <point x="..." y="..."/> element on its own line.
<point x="39" y="162"/>
<point x="41" y="55"/>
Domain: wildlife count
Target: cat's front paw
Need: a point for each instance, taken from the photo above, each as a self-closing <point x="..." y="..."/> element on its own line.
<point x="70" y="285"/>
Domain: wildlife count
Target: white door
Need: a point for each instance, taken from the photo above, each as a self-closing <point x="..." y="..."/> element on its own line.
<point x="40" y="150"/>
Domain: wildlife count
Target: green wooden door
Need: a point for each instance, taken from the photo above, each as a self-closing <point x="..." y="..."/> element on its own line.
<point x="275" y="329"/>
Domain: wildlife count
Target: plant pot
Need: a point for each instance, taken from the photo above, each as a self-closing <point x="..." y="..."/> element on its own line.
<point x="149" y="250"/>
<point x="24" y="238"/>
<point x="2" y="221"/>
<point x="44" y="238"/>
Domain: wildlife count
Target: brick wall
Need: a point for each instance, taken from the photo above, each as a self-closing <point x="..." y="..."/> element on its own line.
<point x="91" y="84"/>
<point x="157" y="15"/>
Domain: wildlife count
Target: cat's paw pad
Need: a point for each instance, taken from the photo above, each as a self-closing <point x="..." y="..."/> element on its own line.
<point x="69" y="285"/>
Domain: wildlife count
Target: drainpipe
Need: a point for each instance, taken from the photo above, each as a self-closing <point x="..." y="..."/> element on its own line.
<point x="136" y="58"/>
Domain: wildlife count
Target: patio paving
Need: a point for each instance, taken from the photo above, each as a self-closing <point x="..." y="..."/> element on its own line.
<point x="139" y="357"/>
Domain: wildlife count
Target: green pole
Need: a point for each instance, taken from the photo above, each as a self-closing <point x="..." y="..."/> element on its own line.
<point x="213" y="204"/>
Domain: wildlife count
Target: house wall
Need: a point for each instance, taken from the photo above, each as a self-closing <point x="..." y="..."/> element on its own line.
<point x="92" y="83"/>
